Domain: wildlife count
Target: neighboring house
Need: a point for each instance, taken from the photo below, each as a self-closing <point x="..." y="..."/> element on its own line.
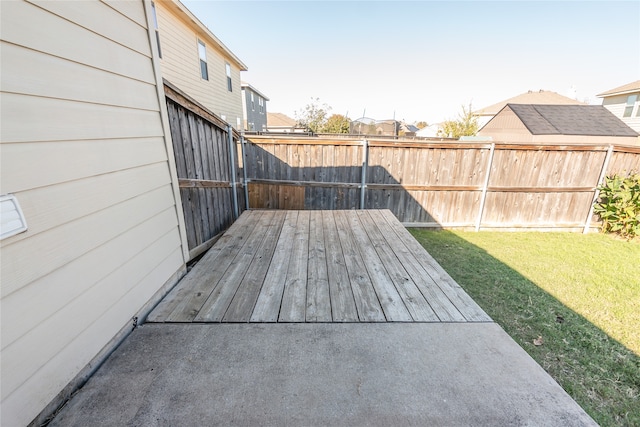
<point x="254" y="108"/>
<point x="558" y="123"/>
<point x="407" y="129"/>
<point x="279" y="122"/>
<point x="197" y="62"/>
<point x="624" y="103"/>
<point x="430" y="131"/>
<point x="87" y="153"/>
<point x="368" y="126"/>
<point x="540" y="97"/>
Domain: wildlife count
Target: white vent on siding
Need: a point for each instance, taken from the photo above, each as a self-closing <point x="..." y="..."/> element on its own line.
<point x="11" y="216"/>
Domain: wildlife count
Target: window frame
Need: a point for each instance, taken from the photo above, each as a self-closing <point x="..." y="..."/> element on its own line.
<point x="204" y="68"/>
<point x="156" y="27"/>
<point x="227" y="67"/>
<point x="632" y="100"/>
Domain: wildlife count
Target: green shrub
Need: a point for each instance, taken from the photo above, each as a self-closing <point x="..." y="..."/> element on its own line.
<point x="619" y="205"/>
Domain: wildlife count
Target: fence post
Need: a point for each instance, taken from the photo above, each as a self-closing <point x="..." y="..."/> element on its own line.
<point x="365" y="166"/>
<point x="483" y="197"/>
<point x="232" y="162"/>
<point x="596" y="192"/>
<point x="245" y="184"/>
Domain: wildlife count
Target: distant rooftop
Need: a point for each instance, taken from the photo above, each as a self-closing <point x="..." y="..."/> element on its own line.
<point x="540" y="97"/>
<point x="621" y="90"/>
<point x="594" y="120"/>
<point x="245" y="85"/>
<point x="280" y="120"/>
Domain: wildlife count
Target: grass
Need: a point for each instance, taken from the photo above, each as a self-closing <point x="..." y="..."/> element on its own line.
<point x="580" y="293"/>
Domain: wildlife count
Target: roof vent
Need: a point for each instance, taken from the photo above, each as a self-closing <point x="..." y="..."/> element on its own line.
<point x="11" y="216"/>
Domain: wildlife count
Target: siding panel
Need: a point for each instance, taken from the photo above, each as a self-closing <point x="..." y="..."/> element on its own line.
<point x="27" y="25"/>
<point x="84" y="346"/>
<point x="84" y="150"/>
<point x="34" y="73"/>
<point x="55" y="205"/>
<point x="43" y="253"/>
<point x="69" y="120"/>
<point x="181" y="67"/>
<point x="30" y="165"/>
<point x="99" y="18"/>
<point x="34" y="303"/>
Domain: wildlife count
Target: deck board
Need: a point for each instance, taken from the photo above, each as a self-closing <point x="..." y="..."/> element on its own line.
<point x="317" y="266"/>
<point x="343" y="307"/>
<point x="318" y="296"/>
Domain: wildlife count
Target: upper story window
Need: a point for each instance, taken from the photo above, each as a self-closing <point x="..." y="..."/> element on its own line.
<point x="228" y="69"/>
<point x="261" y="104"/>
<point x="155" y="26"/>
<point x="202" y="53"/>
<point x="253" y="103"/>
<point x="631" y="102"/>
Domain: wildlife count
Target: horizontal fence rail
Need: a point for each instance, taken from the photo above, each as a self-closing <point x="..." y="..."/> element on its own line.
<point x="436" y="184"/>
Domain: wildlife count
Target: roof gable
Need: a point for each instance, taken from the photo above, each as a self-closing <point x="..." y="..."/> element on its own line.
<point x="180" y="11"/>
<point x="588" y="120"/>
<point x="530" y="97"/>
<point x="620" y="90"/>
<point x="280" y="119"/>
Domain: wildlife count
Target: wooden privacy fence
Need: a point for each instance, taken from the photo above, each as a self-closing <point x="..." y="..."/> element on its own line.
<point x="207" y="166"/>
<point x="470" y="185"/>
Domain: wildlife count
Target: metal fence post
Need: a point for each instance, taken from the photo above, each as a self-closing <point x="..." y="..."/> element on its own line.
<point x="232" y="162"/>
<point x="483" y="197"/>
<point x="596" y="193"/>
<point x="245" y="184"/>
<point x="365" y="166"/>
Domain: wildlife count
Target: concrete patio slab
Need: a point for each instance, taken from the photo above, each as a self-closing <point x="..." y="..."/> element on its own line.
<point x="454" y="374"/>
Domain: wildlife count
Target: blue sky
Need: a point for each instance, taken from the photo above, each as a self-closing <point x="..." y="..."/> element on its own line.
<point x="422" y="60"/>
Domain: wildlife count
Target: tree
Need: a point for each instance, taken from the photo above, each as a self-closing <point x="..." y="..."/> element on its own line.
<point x="313" y="116"/>
<point x="421" y="125"/>
<point x="466" y="125"/>
<point x="337" y="123"/>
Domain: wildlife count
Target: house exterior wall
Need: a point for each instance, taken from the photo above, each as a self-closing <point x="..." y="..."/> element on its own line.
<point x="180" y="64"/>
<point x="616" y="104"/>
<point x="255" y="116"/>
<point x="83" y="149"/>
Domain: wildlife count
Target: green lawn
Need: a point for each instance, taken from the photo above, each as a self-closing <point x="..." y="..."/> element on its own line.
<point x="580" y="293"/>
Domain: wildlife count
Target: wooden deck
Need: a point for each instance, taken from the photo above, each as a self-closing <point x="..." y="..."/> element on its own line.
<point x="317" y="266"/>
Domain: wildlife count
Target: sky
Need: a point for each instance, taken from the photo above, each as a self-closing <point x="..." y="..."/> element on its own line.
<point x="424" y="60"/>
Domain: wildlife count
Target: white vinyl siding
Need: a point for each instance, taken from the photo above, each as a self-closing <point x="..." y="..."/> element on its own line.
<point x="617" y="105"/>
<point x="181" y="66"/>
<point x="83" y="149"/>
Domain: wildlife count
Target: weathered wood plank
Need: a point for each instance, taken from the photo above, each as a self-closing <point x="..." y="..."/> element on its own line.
<point x="343" y="306"/>
<point x="198" y="278"/>
<point x="202" y="183"/>
<point x="318" y="299"/>
<point x="364" y="295"/>
<point x="234" y="239"/>
<point x="216" y="305"/>
<point x="406" y="287"/>
<point x="246" y="296"/>
<point x="267" y="307"/>
<point x="434" y="296"/>
<point x="454" y="292"/>
<point x="294" y="297"/>
<point x="388" y="295"/>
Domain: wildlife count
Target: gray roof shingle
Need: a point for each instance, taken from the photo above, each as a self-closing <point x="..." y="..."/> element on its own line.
<point x="593" y="120"/>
